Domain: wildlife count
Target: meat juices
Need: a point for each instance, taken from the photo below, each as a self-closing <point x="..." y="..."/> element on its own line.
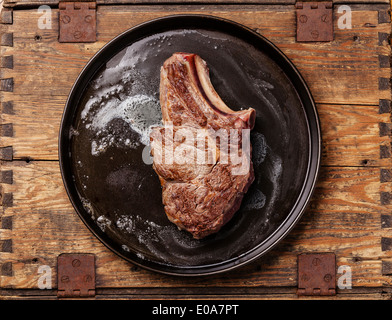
<point x="202" y="153"/>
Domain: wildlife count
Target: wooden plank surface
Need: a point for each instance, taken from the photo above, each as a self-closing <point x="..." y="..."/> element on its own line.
<point x="345" y="72"/>
<point x="345" y="198"/>
<point x="36" y="3"/>
<point x="348" y="215"/>
<point x="351" y="133"/>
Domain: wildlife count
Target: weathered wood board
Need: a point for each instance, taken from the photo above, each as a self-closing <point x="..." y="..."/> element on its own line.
<point x="29" y="3"/>
<point x="346" y="71"/>
<point x="350" y="213"/>
<point x="345" y="198"/>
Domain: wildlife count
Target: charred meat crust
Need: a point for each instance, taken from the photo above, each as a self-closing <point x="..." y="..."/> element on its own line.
<point x="198" y="198"/>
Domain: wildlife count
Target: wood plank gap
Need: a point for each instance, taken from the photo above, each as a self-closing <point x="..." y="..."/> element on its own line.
<point x="54" y="5"/>
<point x="62" y="96"/>
<point x="356" y="5"/>
<point x="30" y="160"/>
<point x="201" y="292"/>
<point x="352" y="167"/>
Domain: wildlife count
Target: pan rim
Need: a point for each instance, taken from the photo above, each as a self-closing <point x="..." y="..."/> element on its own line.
<point x="306" y="193"/>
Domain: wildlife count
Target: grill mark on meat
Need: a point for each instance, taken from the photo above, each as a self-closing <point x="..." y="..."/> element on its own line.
<point x="178" y="77"/>
<point x="199" y="198"/>
<point x="196" y="79"/>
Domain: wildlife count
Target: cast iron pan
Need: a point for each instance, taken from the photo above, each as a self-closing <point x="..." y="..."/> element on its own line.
<point x="104" y="132"/>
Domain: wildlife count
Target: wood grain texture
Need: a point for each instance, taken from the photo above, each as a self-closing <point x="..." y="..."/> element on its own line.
<point x="343" y="217"/>
<point x="260" y="293"/>
<point x="344" y="71"/>
<point x="349" y="213"/>
<point x="351" y="133"/>
<point x="36" y="3"/>
<point x="337" y="72"/>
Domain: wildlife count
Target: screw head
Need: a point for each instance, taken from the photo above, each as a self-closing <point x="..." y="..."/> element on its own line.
<point x="303" y="18"/>
<point x="77" y="34"/>
<point x="76" y="263"/>
<point x="305" y="277"/>
<point x="88" y="278"/>
<point x="315" y="34"/>
<point x="324" y="18"/>
<point x="316" y="261"/>
<point x="88" y="18"/>
<point x="327" y="277"/>
<point x="66" y="19"/>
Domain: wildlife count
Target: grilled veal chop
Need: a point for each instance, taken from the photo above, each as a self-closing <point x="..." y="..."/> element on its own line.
<point x="199" y="153"/>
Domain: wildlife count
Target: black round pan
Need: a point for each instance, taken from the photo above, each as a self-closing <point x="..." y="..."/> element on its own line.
<point x="104" y="136"/>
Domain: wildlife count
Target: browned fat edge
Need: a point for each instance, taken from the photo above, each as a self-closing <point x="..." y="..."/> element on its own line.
<point x="190" y="61"/>
<point x="250" y="118"/>
<point x="190" y="58"/>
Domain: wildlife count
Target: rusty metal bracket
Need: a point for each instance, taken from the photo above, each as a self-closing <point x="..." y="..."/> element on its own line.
<point x="78" y="22"/>
<point x="314" y="21"/>
<point x="316" y="274"/>
<point x="75" y="275"/>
